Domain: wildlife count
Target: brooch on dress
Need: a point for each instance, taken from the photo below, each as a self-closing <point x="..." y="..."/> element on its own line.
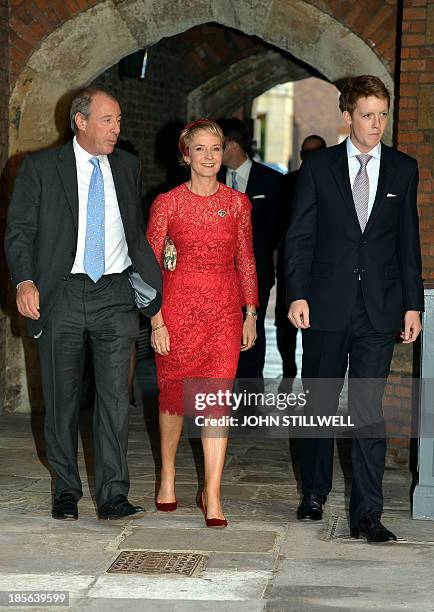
<point x="221" y="213"/>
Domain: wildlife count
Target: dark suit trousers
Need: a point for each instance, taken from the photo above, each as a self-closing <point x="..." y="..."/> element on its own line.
<point x="251" y="362"/>
<point x="103" y="317"/>
<point x="367" y="354"/>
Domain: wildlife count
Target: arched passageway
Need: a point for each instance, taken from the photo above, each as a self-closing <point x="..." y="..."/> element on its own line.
<point x="84" y="46"/>
<point x="87" y="44"/>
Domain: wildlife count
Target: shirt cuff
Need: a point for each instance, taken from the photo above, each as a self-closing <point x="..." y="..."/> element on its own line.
<point x="28" y="280"/>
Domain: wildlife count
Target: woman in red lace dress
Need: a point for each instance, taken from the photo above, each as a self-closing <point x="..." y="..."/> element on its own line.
<point x="199" y="331"/>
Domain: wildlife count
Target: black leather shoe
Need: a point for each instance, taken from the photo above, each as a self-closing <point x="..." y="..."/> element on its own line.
<point x="65" y="508"/>
<point x="285" y="386"/>
<point x="311" y="507"/>
<point x="371" y="528"/>
<point x="119" y="507"/>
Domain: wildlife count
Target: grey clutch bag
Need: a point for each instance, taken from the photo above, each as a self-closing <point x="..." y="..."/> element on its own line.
<point x="144" y="294"/>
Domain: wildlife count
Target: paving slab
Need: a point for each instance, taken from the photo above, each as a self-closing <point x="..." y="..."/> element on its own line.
<point x="167" y="605"/>
<point x="407" y="530"/>
<point x="326" y="599"/>
<point x="351" y="597"/>
<point x="225" y="586"/>
<point x="306" y="541"/>
<point x="265" y="560"/>
<point x="76" y="585"/>
<point x="51" y="553"/>
<point x="241" y="561"/>
<point x="200" y="539"/>
<point x="43" y="546"/>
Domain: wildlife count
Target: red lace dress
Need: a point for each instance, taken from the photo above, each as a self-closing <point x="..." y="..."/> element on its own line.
<point x="215" y="276"/>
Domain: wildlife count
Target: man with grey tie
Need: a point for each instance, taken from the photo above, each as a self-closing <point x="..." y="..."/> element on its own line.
<point x="353" y="279"/>
<point x="74" y="229"/>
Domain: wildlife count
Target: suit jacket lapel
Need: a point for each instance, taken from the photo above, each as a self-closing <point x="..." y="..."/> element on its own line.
<point x="221" y="176"/>
<point x="384" y="176"/>
<point x="251" y="182"/>
<point x="67" y="168"/>
<point x="339" y="170"/>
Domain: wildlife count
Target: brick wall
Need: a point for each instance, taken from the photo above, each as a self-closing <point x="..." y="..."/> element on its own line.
<point x="373" y="20"/>
<point x="150" y="106"/>
<point x="400" y="405"/>
<point x="32" y="20"/>
<point x="415" y="136"/>
<point x="316" y="111"/>
<point x="416" y="116"/>
<point x="399" y="410"/>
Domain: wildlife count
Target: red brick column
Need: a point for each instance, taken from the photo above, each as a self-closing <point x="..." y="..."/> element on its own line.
<point x="397" y="408"/>
<point x="415" y="134"/>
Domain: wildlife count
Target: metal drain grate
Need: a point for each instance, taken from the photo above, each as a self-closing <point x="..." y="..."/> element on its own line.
<point x="407" y="530"/>
<point x="337" y="529"/>
<point x="156" y="562"/>
<point x="333" y="528"/>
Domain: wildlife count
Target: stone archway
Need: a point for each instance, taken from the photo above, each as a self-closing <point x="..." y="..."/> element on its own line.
<point x="225" y="93"/>
<point x="74" y="54"/>
<point x="83" y="47"/>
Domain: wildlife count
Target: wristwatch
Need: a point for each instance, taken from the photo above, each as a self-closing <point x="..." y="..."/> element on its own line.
<point x="251" y="314"/>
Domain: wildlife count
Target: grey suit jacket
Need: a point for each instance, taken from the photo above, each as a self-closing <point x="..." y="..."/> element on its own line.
<point x="42" y="224"/>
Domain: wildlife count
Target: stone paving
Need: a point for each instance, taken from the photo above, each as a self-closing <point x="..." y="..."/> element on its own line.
<point x="265" y="560"/>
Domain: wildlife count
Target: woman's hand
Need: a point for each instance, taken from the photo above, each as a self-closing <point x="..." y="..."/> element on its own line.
<point x="160" y="340"/>
<point x="249" y="333"/>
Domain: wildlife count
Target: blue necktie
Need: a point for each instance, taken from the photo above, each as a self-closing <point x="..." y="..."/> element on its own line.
<point x="93" y="261"/>
<point x="234" y="180"/>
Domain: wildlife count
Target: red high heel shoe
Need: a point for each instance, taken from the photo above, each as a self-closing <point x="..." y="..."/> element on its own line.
<point x="166" y="506"/>
<point x="211" y="522"/>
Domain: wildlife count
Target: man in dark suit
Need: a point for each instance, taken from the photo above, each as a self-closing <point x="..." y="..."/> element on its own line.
<point x="353" y="277"/>
<point x="74" y="227"/>
<point x="286" y="333"/>
<point x="263" y="188"/>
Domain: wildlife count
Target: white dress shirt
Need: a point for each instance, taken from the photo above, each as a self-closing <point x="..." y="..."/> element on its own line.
<point x="242" y="175"/>
<point x="372" y="168"/>
<point x="116" y="249"/>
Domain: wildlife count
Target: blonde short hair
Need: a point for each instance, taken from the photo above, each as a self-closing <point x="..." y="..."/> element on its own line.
<point x="192" y="128"/>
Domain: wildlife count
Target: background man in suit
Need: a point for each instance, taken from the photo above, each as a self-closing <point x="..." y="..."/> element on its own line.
<point x="353" y="277"/>
<point x="263" y="188"/>
<point x="74" y="227"/>
<point x="286" y="333"/>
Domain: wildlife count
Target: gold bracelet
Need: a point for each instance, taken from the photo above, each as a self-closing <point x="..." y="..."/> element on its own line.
<point x="251" y="314"/>
<point x="159" y="327"/>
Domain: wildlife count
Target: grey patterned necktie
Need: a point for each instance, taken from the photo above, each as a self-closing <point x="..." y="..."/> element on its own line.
<point x="361" y="190"/>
